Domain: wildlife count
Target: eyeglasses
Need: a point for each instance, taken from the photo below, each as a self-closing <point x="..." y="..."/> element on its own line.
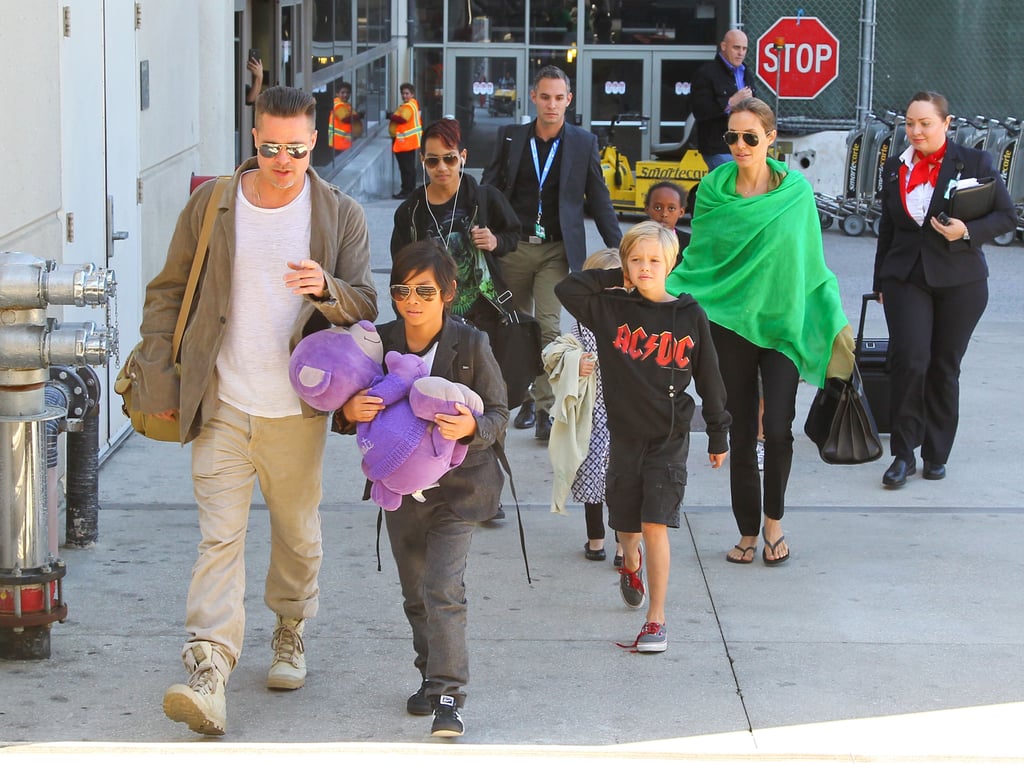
<point x="750" y="139"/>
<point x="400" y="292"/>
<point x="449" y="159"/>
<point x="295" y="150"/>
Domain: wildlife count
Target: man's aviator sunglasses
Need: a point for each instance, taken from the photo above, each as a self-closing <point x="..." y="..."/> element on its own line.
<point x="400" y="292"/>
<point x="750" y="139"/>
<point x="449" y="159"/>
<point x="295" y="150"/>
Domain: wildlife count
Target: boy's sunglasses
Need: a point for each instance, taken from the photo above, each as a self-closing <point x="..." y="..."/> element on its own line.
<point x="400" y="292"/>
<point x="295" y="150"/>
<point x="750" y="139"/>
<point x="449" y="159"/>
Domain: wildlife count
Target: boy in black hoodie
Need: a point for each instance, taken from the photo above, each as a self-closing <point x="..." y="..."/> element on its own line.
<point x="649" y="346"/>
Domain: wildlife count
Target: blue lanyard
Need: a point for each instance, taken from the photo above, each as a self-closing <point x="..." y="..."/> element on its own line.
<point x="542" y="176"/>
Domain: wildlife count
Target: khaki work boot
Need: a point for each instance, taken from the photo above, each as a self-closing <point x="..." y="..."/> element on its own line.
<point x="288" y="670"/>
<point x="200" y="703"/>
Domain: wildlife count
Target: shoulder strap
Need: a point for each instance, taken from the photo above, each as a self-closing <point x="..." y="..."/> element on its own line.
<point x="499" y="451"/>
<point x="209" y="217"/>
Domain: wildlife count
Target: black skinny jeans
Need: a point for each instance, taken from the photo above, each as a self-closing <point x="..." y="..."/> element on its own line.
<point x="740" y="361"/>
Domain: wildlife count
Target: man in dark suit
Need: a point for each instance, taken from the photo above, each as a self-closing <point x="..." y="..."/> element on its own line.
<point x="717" y="86"/>
<point x="548" y="169"/>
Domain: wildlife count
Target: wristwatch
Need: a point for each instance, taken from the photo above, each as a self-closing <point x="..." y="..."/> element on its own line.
<point x="967" y="234"/>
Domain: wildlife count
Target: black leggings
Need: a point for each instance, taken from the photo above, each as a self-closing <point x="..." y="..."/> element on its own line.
<point x="594" y="513"/>
<point x="740" y="361"/>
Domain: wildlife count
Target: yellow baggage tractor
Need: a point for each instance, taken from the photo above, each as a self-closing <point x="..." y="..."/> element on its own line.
<point x="679" y="163"/>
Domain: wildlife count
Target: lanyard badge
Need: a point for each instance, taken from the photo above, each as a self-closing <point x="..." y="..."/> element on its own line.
<point x="541" y="177"/>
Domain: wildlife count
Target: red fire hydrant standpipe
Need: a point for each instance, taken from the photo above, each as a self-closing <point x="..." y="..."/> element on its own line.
<point x="31" y="593"/>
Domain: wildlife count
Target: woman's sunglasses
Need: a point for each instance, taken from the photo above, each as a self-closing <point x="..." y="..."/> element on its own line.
<point x="449" y="159"/>
<point x="750" y="139"/>
<point x="295" y="150"/>
<point x="400" y="292"/>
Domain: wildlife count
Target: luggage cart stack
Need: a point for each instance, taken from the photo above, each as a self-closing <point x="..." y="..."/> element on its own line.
<point x="1006" y="151"/>
<point x="867" y="147"/>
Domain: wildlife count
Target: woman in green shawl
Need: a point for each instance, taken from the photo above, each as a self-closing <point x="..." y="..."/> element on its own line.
<point x="756" y="265"/>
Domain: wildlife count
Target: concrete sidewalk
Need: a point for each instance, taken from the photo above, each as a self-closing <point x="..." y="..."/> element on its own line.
<point x="894" y="634"/>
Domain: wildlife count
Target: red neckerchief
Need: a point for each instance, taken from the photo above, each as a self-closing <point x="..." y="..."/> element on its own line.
<point x="926" y="168"/>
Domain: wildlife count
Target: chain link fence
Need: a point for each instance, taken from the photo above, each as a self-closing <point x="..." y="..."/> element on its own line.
<point x="969" y="51"/>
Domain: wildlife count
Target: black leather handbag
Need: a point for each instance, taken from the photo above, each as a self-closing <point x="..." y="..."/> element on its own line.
<point x="840" y="423"/>
<point x="515" y="341"/>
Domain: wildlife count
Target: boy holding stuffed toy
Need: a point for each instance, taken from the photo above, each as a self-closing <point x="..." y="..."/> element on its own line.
<point x="430" y="539"/>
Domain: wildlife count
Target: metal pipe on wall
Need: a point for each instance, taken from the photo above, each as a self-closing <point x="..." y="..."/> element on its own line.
<point x="866" y="82"/>
<point x="31" y="592"/>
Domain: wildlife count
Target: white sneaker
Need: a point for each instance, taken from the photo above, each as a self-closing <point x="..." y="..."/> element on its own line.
<point x="288" y="670"/>
<point x="200" y="703"/>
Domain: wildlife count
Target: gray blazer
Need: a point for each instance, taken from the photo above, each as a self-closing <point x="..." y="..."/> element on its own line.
<point x="580" y="180"/>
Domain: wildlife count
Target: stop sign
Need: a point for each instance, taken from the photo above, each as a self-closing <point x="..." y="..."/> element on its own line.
<point x="801" y="54"/>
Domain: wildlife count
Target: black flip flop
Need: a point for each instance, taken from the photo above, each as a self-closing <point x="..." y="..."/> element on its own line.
<point x="772" y="546"/>
<point x="743" y="553"/>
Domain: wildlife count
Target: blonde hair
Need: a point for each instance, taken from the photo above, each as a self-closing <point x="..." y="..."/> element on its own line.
<point x="654" y="231"/>
<point x="606" y="258"/>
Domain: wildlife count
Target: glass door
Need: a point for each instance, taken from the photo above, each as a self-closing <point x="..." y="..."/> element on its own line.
<point x="483" y="92"/>
<point x="618" y="94"/>
<point x="654" y="84"/>
<point x="670" y="120"/>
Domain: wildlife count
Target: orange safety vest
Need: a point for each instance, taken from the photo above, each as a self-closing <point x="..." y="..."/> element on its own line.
<point x="407" y="134"/>
<point x="339" y="131"/>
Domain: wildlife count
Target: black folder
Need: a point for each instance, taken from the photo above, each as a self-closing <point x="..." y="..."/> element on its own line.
<point x="974" y="202"/>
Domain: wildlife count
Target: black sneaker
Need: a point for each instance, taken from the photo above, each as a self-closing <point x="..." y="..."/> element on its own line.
<point x="447" y="721"/>
<point x="418" y="703"/>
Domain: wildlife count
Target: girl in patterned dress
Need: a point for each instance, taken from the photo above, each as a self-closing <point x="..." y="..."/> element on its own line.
<point x="588" y="486"/>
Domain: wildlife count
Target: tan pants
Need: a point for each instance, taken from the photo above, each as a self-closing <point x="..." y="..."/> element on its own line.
<point x="285" y="454"/>
<point x="531" y="273"/>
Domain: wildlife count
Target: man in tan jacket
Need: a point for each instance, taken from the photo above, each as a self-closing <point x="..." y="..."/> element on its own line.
<point x="289" y="254"/>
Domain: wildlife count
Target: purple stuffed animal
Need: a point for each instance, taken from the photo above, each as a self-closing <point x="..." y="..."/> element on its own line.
<point x="403" y="450"/>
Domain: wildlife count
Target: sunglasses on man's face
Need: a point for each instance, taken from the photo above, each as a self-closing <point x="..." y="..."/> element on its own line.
<point x="295" y="150"/>
<point x="400" y="292"/>
<point x="750" y="139"/>
<point x="449" y="159"/>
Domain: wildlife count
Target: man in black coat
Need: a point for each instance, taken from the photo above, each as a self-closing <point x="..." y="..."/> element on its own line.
<point x="548" y="169"/>
<point x="717" y="86"/>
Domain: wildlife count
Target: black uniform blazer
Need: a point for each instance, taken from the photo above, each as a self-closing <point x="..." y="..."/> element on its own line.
<point x="579" y="179"/>
<point x="473" y="489"/>
<point x="946" y="264"/>
<point x="710" y="90"/>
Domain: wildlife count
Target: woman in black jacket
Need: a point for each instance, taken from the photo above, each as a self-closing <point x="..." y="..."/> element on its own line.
<point x="931" y="277"/>
<point x="475" y="223"/>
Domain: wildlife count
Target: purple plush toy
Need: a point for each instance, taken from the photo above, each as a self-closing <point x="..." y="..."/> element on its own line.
<point x="403" y="450"/>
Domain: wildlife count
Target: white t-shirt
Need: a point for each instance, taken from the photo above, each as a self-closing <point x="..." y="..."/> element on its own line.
<point x="252" y="365"/>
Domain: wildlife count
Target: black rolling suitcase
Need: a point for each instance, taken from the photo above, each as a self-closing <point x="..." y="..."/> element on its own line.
<point x="872" y="360"/>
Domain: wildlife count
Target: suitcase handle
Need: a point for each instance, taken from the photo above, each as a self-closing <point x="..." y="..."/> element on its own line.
<point x="858" y="344"/>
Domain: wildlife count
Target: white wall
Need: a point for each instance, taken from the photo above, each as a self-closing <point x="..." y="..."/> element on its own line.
<point x="30" y="128"/>
<point x="58" y="115"/>
<point x="825" y="156"/>
<point x="188" y="127"/>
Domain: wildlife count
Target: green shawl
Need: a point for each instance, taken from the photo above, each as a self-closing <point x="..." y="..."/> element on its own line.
<point x="757" y="267"/>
